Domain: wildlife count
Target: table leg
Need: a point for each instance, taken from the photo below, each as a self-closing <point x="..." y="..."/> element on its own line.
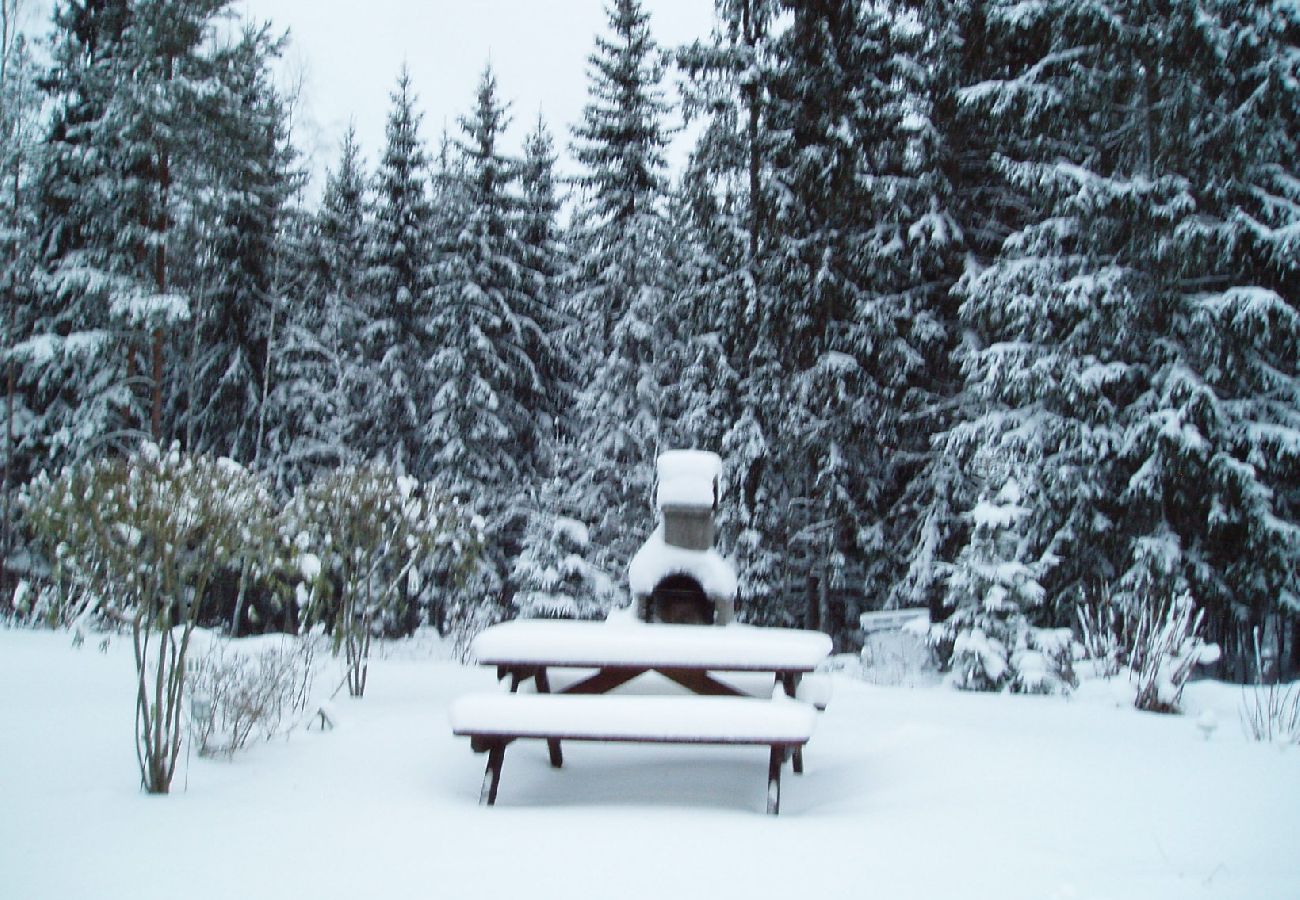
<point x="492" y="777"/>
<point x="552" y="744"/>
<point x="774" y="780"/>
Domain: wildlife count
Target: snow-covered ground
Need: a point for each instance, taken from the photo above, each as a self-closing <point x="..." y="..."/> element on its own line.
<point x="908" y="793"/>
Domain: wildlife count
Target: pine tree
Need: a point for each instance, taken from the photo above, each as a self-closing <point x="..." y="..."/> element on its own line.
<point x="1049" y="362"/>
<point x="727" y="194"/>
<point x="320" y="377"/>
<point x="398" y="285"/>
<point x="1211" y="457"/>
<point x="487" y="415"/>
<point x="553" y="574"/>
<point x="545" y="261"/>
<point x="482" y="433"/>
<point x="241" y="307"/>
<point x="619" y="282"/>
<point x="133" y="85"/>
<point x="820" y="98"/>
<point x="990" y="588"/>
<point x="19" y="129"/>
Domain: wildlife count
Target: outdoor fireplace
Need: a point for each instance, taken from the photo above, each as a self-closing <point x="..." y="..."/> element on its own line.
<point x="677" y="577"/>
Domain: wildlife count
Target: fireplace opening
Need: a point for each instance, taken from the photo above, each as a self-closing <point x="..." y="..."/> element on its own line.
<point x="679" y="600"/>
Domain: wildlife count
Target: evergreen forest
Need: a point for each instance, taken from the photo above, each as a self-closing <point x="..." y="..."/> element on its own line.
<point x="989" y="306"/>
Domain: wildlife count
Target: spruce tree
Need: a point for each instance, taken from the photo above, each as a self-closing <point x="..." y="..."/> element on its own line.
<point x="398" y="286"/>
<point x="726" y="190"/>
<point x="1211" y="456"/>
<point x="618" y="283"/>
<point x="487" y="420"/>
<point x="820" y="99"/>
<point x="241" y="308"/>
<point x="990" y="590"/>
<point x="133" y="85"/>
<point x="19" y="147"/>
<point x="319" y="383"/>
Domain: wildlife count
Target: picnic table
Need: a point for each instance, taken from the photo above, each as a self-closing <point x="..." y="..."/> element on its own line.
<point x="699" y="658"/>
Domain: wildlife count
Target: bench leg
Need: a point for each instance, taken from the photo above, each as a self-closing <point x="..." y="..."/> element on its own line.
<point x="492" y="777"/>
<point x="774" y="780"/>
<point x="552" y="744"/>
<point x="798" y="760"/>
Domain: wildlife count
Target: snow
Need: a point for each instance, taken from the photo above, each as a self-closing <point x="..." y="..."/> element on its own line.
<point x="688" y="478"/>
<point x="656" y="560"/>
<point x="575" y="531"/>
<point x="309" y="566"/>
<point x="925" y="793"/>
<point x="618" y="717"/>
<point x="591" y="644"/>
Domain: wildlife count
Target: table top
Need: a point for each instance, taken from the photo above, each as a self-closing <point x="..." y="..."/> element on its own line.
<point x="583" y="645"/>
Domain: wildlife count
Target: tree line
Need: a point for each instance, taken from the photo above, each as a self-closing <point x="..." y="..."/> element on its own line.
<point x="989" y="307"/>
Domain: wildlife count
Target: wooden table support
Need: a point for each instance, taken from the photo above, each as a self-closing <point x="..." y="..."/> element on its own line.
<point x="775" y="760"/>
<point x="552" y="744"/>
<point x="492" y="777"/>
<point x="495" y="747"/>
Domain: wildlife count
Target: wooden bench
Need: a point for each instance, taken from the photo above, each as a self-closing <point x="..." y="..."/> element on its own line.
<point x="493" y="721"/>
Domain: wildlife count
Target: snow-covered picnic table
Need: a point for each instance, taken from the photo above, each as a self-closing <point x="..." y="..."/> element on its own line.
<point x="687" y="654"/>
<point x="610" y="655"/>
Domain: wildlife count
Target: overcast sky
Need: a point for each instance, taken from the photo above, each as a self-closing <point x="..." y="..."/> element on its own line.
<point x="349" y="53"/>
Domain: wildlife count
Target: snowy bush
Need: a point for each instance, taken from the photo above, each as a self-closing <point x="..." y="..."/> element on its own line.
<point x="556" y="578"/>
<point x="1166" y="646"/>
<point x="1158" y="644"/>
<point x="1270" y="712"/>
<point x="989" y="589"/>
<point x="368" y="542"/>
<point x="145" y="536"/>
<point x="237" y="692"/>
<point x="1043" y="662"/>
<point x="1101" y="634"/>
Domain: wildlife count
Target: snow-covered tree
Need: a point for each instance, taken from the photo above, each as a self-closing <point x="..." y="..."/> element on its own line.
<point x="488" y="421"/>
<point x="129" y="84"/>
<point x="1211" y="460"/>
<point x="319" y="382"/>
<point x="554" y="575"/>
<point x="990" y="588"/>
<point x="619" y="285"/>
<point x="239" y="295"/>
<point x="20" y="126"/>
<point x="397" y="287"/>
<point x="819" y="99"/>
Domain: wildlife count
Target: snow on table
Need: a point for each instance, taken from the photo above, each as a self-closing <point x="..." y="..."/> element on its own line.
<point x="734" y="648"/>
<point x="711" y="720"/>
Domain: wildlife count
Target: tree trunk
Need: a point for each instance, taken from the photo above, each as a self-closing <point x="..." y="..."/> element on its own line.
<point x="160" y="277"/>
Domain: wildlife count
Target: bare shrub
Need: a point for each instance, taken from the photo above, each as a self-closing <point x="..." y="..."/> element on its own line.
<point x="1270" y="712"/>
<point x="237" y="693"/>
<point x="1101" y="634"/>
<point x="1166" y="646"/>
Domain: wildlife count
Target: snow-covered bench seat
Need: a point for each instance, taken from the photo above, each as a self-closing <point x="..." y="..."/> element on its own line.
<point x="492" y="721"/>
